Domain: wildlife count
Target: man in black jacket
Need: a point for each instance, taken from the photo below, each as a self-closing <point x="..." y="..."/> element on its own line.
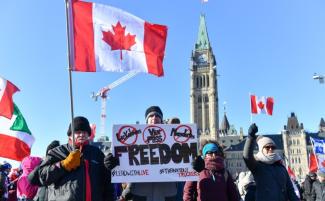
<point x="307" y="186"/>
<point x="318" y="190"/>
<point x="76" y="173"/>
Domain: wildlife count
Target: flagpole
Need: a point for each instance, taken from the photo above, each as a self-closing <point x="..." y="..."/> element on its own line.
<point x="70" y="60"/>
<point x="249" y="94"/>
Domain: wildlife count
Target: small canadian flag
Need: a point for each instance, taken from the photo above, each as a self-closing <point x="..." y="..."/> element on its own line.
<point x="262" y="105"/>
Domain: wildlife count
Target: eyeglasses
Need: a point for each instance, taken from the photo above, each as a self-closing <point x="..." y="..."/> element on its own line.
<point x="270" y="147"/>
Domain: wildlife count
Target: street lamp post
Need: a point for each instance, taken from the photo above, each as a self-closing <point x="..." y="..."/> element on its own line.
<point x="319" y="77"/>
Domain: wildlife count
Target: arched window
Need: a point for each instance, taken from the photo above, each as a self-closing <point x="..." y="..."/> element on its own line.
<point x="298" y="142"/>
<point x="199" y="99"/>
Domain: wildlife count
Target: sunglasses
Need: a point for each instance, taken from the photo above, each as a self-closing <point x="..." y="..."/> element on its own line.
<point x="270" y="147"/>
<point x="210" y="153"/>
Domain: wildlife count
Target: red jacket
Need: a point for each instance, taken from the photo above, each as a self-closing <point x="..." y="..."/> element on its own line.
<point x="211" y="187"/>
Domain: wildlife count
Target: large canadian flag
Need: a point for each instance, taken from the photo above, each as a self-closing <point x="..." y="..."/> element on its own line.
<point x="262" y="105"/>
<point x="7" y="89"/>
<point x="109" y="39"/>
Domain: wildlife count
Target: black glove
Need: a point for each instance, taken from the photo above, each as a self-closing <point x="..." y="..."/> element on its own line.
<point x="111" y="161"/>
<point x="252" y="130"/>
<point x="198" y="164"/>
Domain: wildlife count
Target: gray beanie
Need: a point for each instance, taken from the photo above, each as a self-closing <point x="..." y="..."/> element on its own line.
<point x="262" y="141"/>
<point x="153" y="110"/>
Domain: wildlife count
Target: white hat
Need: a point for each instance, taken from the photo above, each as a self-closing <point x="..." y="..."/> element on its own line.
<point x="262" y="141"/>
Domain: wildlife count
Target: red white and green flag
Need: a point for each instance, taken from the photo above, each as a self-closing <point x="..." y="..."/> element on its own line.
<point x="105" y="38"/>
<point x="16" y="139"/>
<point x="7" y="89"/>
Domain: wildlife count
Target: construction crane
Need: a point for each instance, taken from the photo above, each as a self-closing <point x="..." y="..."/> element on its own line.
<point x="102" y="93"/>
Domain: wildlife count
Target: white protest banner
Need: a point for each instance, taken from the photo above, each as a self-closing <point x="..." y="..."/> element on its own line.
<point x="154" y="153"/>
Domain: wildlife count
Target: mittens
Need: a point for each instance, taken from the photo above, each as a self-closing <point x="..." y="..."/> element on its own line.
<point x="252" y="130"/>
<point x="72" y="161"/>
<point x="198" y="164"/>
<point x="111" y="161"/>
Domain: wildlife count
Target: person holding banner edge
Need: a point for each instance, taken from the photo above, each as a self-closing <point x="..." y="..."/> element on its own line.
<point x="76" y="173"/>
<point x="150" y="191"/>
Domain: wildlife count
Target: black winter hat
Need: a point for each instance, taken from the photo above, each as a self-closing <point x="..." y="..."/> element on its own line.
<point x="153" y="110"/>
<point x="80" y="124"/>
<point x="52" y="145"/>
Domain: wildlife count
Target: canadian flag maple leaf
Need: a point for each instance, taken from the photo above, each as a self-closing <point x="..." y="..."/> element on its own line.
<point x="260" y="105"/>
<point x="118" y="40"/>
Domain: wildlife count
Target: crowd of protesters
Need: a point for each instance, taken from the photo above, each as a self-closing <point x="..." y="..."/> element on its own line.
<point x="79" y="171"/>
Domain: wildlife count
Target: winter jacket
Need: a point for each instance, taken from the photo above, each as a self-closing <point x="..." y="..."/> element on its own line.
<point x="318" y="191"/>
<point x="211" y="186"/>
<point x="272" y="180"/>
<point x="307" y="188"/>
<point x="71" y="186"/>
<point x="250" y="192"/>
<point x="24" y="188"/>
<point x="34" y="179"/>
<point x="151" y="191"/>
<point x="3" y="186"/>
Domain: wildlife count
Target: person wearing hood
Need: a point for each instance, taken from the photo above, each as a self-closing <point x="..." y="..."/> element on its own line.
<point x="271" y="177"/>
<point x="75" y="171"/>
<point x="25" y="190"/>
<point x="214" y="179"/>
<point x="34" y="178"/>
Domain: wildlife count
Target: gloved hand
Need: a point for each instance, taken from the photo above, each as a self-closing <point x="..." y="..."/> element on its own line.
<point x="72" y="161"/>
<point x="252" y="130"/>
<point x="198" y="164"/>
<point x="111" y="161"/>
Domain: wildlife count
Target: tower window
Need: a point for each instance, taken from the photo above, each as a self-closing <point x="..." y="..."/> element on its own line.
<point x="197" y="82"/>
<point x="208" y="84"/>
<point x="203" y="81"/>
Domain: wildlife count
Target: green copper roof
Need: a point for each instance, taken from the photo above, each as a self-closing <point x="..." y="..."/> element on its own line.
<point x="202" y="39"/>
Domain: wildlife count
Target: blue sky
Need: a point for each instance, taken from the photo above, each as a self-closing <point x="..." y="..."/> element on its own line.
<point x="269" y="48"/>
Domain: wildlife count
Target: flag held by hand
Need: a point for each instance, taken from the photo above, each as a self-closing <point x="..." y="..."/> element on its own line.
<point x="262" y="105"/>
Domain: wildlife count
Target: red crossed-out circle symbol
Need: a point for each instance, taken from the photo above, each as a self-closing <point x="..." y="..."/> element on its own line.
<point x="127" y="135"/>
<point x="156" y="134"/>
<point x="182" y="129"/>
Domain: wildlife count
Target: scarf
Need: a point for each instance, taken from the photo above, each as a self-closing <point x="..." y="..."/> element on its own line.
<point x="215" y="164"/>
<point x="269" y="158"/>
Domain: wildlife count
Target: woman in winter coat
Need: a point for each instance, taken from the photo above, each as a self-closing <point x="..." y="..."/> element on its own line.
<point x="215" y="182"/>
<point x="25" y="190"/>
<point x="271" y="177"/>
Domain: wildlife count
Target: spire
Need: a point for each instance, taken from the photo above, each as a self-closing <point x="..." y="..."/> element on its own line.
<point x="322" y="122"/>
<point x="202" y="42"/>
<point x="224" y="127"/>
